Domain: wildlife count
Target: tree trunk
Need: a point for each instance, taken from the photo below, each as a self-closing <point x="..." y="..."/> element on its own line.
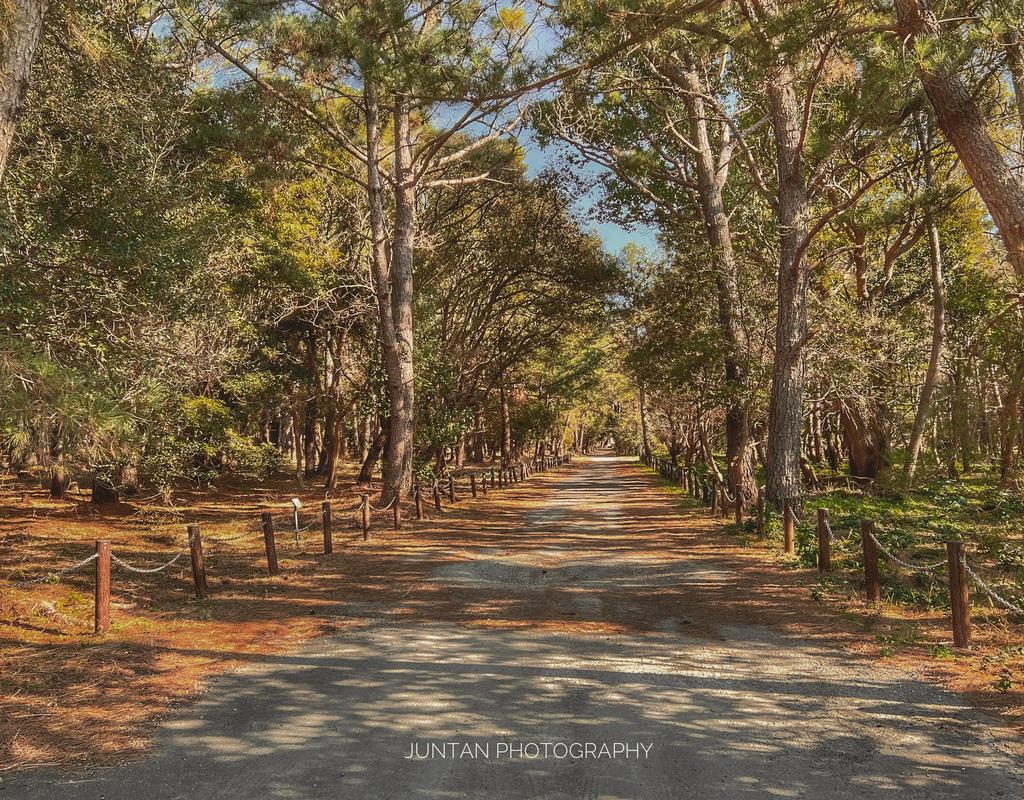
<point x="645" y="433"/>
<point x="785" y="408"/>
<point x="865" y="437"/>
<point x="966" y="129"/>
<point x="478" y="435"/>
<point x="18" y="45"/>
<point x="392" y="285"/>
<point x="931" y="375"/>
<point x="104" y="491"/>
<point x="710" y="181"/>
<point x="506" y="425"/>
<point x="372" y="454"/>
<point x="401" y="389"/>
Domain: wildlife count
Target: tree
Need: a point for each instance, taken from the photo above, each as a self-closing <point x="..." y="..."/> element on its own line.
<point x="22" y="30"/>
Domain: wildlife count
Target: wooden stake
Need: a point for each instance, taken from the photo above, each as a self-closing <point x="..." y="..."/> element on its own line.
<point x="760" y="513"/>
<point x="959" y="594"/>
<point x="451" y="488"/>
<point x="418" y="490"/>
<point x="365" y="516"/>
<point x="472" y="485"/>
<point x="872" y="586"/>
<point x="195" y="546"/>
<point x="437" y="496"/>
<point x="268" y="541"/>
<point x="824" y="542"/>
<point x="328" y="529"/>
<point x="102" y="586"/>
<point x="396" y="509"/>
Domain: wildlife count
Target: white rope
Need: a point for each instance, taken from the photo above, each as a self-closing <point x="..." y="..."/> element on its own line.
<point x="130" y="568"/>
<point x="905" y="564"/>
<point x="385" y="508"/>
<point x="992" y="593"/>
<point x="49" y="576"/>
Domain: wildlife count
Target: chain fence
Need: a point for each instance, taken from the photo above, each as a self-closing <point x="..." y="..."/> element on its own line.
<point x="997" y="598"/>
<point x="139" y="570"/>
<point x="52" y="576"/>
<point x="923" y="568"/>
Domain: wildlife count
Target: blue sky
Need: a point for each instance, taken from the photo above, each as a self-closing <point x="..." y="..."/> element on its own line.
<point x="615" y="237"/>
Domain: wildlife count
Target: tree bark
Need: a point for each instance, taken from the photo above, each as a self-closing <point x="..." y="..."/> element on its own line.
<point x="401" y="389"/>
<point x="710" y="181"/>
<point x="966" y="129"/>
<point x="785" y="408"/>
<point x="931" y="375"/>
<point x="18" y="46"/>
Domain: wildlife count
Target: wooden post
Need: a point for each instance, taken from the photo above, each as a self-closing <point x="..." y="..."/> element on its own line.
<point x="419" y="500"/>
<point x="268" y="541"/>
<point x="102" y="586"/>
<point x="328" y="528"/>
<point x="872" y="587"/>
<point x="451" y="488"/>
<point x="472" y="485"/>
<point x="788" y="528"/>
<point x="492" y="477"/>
<point x="364" y="513"/>
<point x="824" y="542"/>
<point x="483" y="484"/>
<point x="396" y="509"/>
<point x="714" y="498"/>
<point x="522" y="472"/>
<point x="437" y="496"/>
<point x="959" y="594"/>
<point x="739" y="507"/>
<point x="195" y="546"/>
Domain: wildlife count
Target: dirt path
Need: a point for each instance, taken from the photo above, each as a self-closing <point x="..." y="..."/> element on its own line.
<point x="580" y="608"/>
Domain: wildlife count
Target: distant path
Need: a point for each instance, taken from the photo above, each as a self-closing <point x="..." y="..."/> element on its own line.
<point x="580" y="607"/>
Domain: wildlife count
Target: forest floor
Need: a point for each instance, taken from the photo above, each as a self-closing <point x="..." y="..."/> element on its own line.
<point x="597" y="551"/>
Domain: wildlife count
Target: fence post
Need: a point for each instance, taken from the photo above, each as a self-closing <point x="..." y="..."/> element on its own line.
<point x="714" y="497"/>
<point x="483" y="484"/>
<point x="472" y="486"/>
<point x="872" y="587"/>
<point x="824" y="542"/>
<point x="739" y="506"/>
<point x="325" y="513"/>
<point x="268" y="541"/>
<point x="959" y="594"/>
<point x="492" y="478"/>
<point x="451" y="488"/>
<point x="522" y="472"/>
<point x="437" y="496"/>
<point x="195" y="546"/>
<point x="788" y="527"/>
<point x="365" y="516"/>
<point x="102" y="586"/>
<point x="396" y="509"/>
<point x="418" y="490"/>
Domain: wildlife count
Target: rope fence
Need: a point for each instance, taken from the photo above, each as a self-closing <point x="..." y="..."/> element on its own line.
<point x="710" y="490"/>
<point x="360" y="516"/>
